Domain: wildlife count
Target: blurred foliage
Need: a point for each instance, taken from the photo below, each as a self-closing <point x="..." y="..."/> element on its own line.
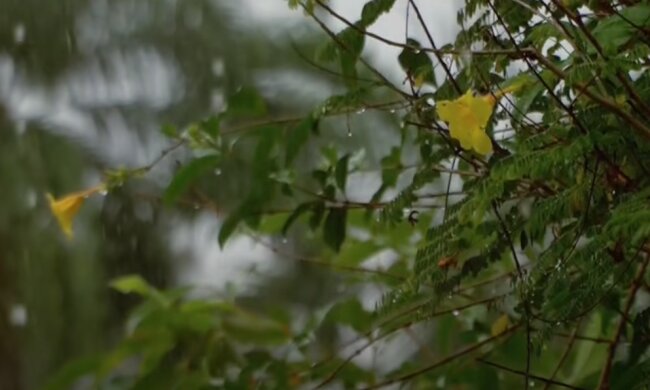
<point x="528" y="267"/>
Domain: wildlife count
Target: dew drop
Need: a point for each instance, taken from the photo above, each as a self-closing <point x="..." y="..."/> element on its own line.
<point x="361" y="110"/>
<point x="217" y="172"/>
<point x="19" y="33"/>
<point x="349" y="133"/>
<point x="455" y="313"/>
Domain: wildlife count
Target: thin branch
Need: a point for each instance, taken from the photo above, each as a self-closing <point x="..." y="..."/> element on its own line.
<point x="603" y="383"/>
<point x="528" y="375"/>
<point x="506" y="232"/>
<point x="565" y="355"/>
<point x="435" y="48"/>
<point x="389" y="332"/>
<point x="442" y="362"/>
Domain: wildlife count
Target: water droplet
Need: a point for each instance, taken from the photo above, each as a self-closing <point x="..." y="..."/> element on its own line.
<point x="284" y="240"/>
<point x="349" y="133"/>
<point x="455" y="313"/>
<point x="19" y="33"/>
<point x="426" y="142"/>
<point x="361" y="110"/>
<point x="217" y="171"/>
<point x="531" y="383"/>
<point x="392" y="110"/>
<point x="18" y="315"/>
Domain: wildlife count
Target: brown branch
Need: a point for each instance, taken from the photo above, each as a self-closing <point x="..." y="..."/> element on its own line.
<point x="565" y="355"/>
<point x="603" y="383"/>
<point x="527" y="310"/>
<point x="389" y="332"/>
<point x="528" y="375"/>
<point x="341" y="44"/>
<point x="442" y="362"/>
<point x="444" y="65"/>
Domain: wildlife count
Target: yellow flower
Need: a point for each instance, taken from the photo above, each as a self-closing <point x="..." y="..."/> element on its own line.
<point x="66" y="208"/>
<point x="468" y="117"/>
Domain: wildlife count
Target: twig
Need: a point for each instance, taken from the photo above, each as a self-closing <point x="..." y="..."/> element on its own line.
<point x="435" y="48"/>
<point x="359" y="350"/>
<point x="528" y="375"/>
<point x="443" y="361"/>
<point x="603" y="383"/>
<point x="565" y="355"/>
<point x="527" y="310"/>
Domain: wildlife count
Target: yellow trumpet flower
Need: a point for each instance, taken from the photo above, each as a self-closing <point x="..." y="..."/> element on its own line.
<point x="468" y="118"/>
<point x="66" y="208"/>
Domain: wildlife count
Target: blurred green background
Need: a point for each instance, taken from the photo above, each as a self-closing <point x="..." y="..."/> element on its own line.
<point x="86" y="85"/>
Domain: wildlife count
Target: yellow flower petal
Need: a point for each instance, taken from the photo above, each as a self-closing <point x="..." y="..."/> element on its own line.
<point x="468" y="117"/>
<point x="500" y="325"/>
<point x="66" y="208"/>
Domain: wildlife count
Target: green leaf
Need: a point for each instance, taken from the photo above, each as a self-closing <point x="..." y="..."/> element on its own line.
<point x="212" y="125"/>
<point x="131" y="284"/>
<point x="295" y="214"/>
<point x="251" y="328"/>
<point x="641" y="336"/>
<point x="341" y="172"/>
<point x="230" y="224"/>
<point x="357" y="252"/>
<point x="188" y="174"/>
<point x="66" y="377"/>
<point x="391" y="167"/>
<point x="373" y="9"/>
<point x="616" y="30"/>
<point x="246" y="102"/>
<point x="298" y="136"/>
<point x="351" y="42"/>
<point x="334" y="229"/>
<point x="169" y="130"/>
<point x="350" y="313"/>
<point x="417" y="64"/>
<point x="317" y="215"/>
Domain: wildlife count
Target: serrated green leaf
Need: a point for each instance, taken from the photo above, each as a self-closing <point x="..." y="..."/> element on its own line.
<point x="616" y="30"/>
<point x="373" y="9"/>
